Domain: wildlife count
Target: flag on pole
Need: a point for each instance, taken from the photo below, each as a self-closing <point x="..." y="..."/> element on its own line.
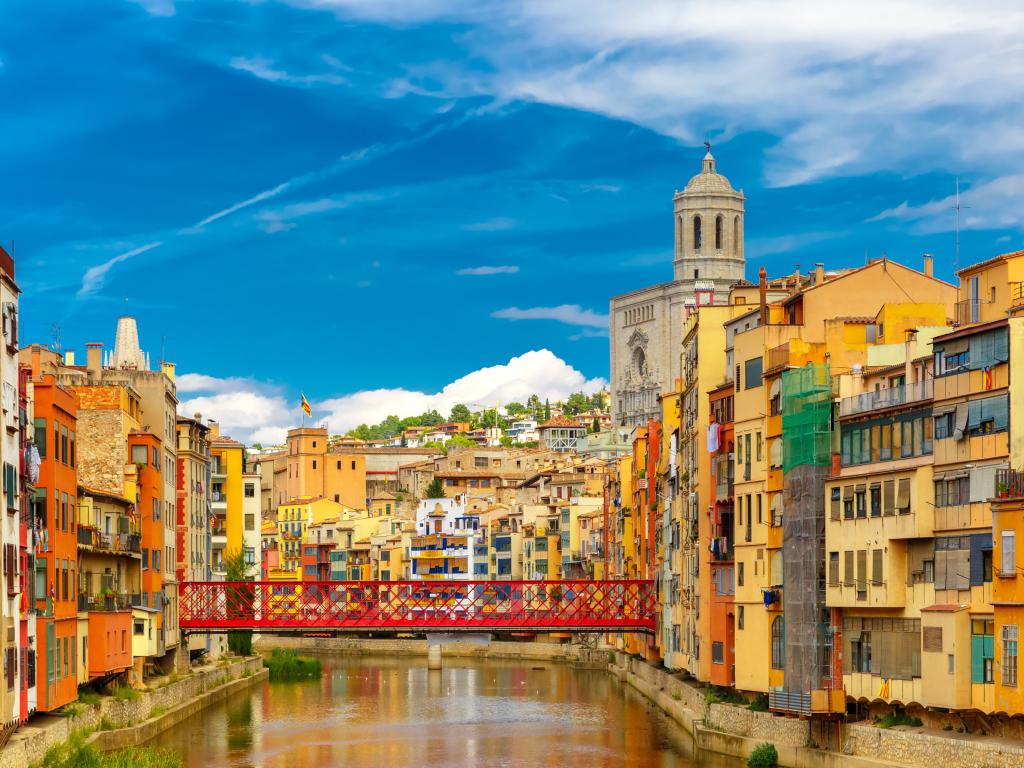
<point x="305" y="405"/>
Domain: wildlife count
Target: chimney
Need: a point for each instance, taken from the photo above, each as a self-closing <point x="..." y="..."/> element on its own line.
<point x="69" y="357"/>
<point x="762" y="278"/>
<point x="928" y="268"/>
<point x="796" y="278"/>
<point x="819" y="273"/>
<point x="168" y="369"/>
<point x="94" y="356"/>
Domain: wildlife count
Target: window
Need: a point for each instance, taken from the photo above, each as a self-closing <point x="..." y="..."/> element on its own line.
<point x="739" y="618"/>
<point x="862" y="653"/>
<point x="848" y="502"/>
<point x="778" y="643"/>
<point x="860" y="500"/>
<point x="717" y="652"/>
<point x="696" y="233"/>
<point x="759" y="446"/>
<point x="139" y="454"/>
<point x="40" y="437"/>
<point x="988" y="415"/>
<point x="314" y="463"/>
<point x="718" y="233"/>
<point x="739" y="574"/>
<point x="752" y="370"/>
<point x="250" y="521"/>
<point x="353" y="465"/>
<point x="1009" y="637"/>
<point x="1008" y="555"/>
<point x="833" y="569"/>
<point x="876" y="567"/>
<point x="876" y="500"/>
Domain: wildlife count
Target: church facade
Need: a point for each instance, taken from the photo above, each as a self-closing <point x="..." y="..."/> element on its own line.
<point x="646" y="324"/>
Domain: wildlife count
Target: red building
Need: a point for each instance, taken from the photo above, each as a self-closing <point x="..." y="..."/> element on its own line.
<point x="723" y="580"/>
<point x="54" y="518"/>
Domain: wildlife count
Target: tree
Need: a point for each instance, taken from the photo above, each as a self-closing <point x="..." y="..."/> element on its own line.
<point x="577" y="403"/>
<point x="236" y="569"/>
<point x="460" y="441"/>
<point x="460" y="413"/>
<point x="596" y="426"/>
<point x="547" y="410"/>
<point x="435" y="490"/>
<point x="514" y="409"/>
<point x="431" y="418"/>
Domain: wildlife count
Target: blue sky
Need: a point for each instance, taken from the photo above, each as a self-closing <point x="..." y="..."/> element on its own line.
<point x="392" y="205"/>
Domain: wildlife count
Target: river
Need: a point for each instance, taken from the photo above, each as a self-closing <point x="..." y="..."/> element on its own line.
<point x="378" y="713"/>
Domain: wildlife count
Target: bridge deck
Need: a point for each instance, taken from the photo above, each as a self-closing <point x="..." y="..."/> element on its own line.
<point x="419" y="606"/>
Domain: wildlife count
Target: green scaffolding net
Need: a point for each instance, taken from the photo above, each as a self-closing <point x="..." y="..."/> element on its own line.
<point x="806" y="412"/>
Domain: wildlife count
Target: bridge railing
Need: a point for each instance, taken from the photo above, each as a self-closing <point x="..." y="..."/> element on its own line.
<point x="569" y="605"/>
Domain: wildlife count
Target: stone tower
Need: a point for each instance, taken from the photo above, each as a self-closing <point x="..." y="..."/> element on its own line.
<point x="127" y="353"/>
<point x="709" y="231"/>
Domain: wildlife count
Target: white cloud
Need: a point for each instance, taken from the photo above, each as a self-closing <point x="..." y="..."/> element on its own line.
<point x="157" y="7"/>
<point x="491" y="225"/>
<point x="571" y="314"/>
<point x="96" y="276"/>
<point x="503" y="270"/>
<point x="848" y="87"/>
<point x="254" y="411"/>
<point x="981" y="207"/>
<point x="538" y="372"/>
<point x="266" y="70"/>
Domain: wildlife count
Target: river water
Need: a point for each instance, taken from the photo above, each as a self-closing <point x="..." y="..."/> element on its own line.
<point x="377" y="713"/>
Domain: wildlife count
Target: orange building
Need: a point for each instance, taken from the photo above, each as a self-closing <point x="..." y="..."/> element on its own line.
<point x="723" y="580"/>
<point x="56" y="561"/>
<point x="145" y="453"/>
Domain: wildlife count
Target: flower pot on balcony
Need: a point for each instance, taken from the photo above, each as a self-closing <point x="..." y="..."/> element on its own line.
<point x="108" y="602"/>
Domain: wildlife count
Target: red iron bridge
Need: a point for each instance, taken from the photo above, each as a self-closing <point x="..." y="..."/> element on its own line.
<point x="418" y="606"/>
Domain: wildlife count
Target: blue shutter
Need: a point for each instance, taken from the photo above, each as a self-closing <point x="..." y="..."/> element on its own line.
<point x="979" y="542"/>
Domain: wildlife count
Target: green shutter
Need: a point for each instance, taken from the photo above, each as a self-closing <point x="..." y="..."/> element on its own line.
<point x="978" y="658"/>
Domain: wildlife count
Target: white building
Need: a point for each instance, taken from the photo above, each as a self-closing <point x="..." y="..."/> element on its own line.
<point x="523" y="431"/>
<point x="251" y="494"/>
<point x="444" y="546"/>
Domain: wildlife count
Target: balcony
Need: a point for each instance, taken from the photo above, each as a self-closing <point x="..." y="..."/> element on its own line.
<point x="1009" y="483"/>
<point x="107" y="603"/>
<point x="777" y="357"/>
<point x="892" y="397"/>
<point x="114" y="543"/>
<point x="1016" y="294"/>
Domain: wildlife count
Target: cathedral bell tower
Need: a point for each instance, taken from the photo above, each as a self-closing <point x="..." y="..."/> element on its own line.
<point x="709" y="231"/>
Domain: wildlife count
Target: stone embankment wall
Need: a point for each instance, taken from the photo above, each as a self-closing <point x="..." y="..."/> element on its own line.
<point x="177" y="700"/>
<point x="912" y="746"/>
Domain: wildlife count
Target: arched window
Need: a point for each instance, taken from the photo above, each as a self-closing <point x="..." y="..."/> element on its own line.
<point x="778" y="643"/>
<point x="640" y="361"/>
<point x="736" y="234"/>
<point x="696" y="233"/>
<point x="718" y="233"/>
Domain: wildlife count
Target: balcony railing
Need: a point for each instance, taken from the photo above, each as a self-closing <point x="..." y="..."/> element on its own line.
<point x="891" y="397"/>
<point x="969" y="311"/>
<point x="104" y="602"/>
<point x="1016" y="294"/>
<point x="1009" y="483"/>
<point x="109" y="542"/>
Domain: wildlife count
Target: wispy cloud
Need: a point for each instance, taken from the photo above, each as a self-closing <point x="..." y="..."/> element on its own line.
<point x="570" y="314"/>
<point x="96" y="276"/>
<point x="265" y="69"/>
<point x="981" y="207"/>
<point x="505" y="270"/>
<point x="266" y="194"/>
<point x="157" y="7"/>
<point x="491" y="225"/>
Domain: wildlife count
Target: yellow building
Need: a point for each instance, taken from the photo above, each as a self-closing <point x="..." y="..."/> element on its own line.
<point x="227" y="465"/>
<point x="293" y="518"/>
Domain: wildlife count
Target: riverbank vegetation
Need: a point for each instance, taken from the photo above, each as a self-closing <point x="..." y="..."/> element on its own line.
<point x="75" y="753"/>
<point x="285" y="664"/>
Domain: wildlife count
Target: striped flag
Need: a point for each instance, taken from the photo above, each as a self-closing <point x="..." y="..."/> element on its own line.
<point x="305" y="405"/>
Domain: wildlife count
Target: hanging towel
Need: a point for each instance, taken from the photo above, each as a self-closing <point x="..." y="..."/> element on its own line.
<point x="712" y="437"/>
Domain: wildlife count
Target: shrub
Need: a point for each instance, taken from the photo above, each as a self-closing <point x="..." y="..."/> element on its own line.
<point x="898" y="718"/>
<point x="106" y="725"/>
<point x="763" y="756"/>
<point x="158" y="710"/>
<point x="286" y="664"/>
<point x="676" y="695"/>
<point x="759" y="703"/>
<point x="611" y="657"/>
<point x="125" y="693"/>
<point x="75" y="753"/>
<point x="91" y="698"/>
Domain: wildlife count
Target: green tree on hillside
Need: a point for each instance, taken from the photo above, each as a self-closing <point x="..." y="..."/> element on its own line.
<point x="515" y="409"/>
<point x="547" y="410"/>
<point x="460" y="413"/>
<point x="435" y="490"/>
<point x="577" y="403"/>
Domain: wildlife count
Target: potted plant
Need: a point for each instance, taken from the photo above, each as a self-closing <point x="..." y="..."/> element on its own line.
<point x="108" y="599"/>
<point x="1003" y="490"/>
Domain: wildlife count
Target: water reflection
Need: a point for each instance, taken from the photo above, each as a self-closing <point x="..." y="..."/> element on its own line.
<point x="394" y="712"/>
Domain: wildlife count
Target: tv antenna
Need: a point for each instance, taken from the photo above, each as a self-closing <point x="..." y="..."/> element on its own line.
<point x="55" y="331"/>
<point x="957" y="207"/>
